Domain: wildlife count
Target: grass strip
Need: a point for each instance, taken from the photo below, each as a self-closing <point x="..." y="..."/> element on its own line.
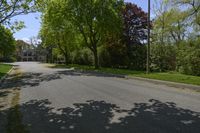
<point x="166" y="76"/>
<point x="4" y="68"/>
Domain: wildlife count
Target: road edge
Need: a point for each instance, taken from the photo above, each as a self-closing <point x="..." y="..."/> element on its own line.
<point x="168" y="83"/>
<point x="155" y="81"/>
<point x="4" y="77"/>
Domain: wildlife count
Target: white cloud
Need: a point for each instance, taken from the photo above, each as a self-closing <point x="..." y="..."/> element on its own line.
<point x="25" y="39"/>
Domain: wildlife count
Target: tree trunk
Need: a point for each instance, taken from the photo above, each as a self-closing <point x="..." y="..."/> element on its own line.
<point x="66" y="59"/>
<point x="96" y="59"/>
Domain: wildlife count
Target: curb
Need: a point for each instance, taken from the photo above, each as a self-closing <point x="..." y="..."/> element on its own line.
<point x="168" y="83"/>
<point x="155" y="81"/>
<point x="3" y="78"/>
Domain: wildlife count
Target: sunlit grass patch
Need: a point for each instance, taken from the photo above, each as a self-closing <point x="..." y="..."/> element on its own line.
<point x="4" y="68"/>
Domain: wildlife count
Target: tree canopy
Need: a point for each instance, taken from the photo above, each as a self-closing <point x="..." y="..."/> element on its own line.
<point x="7" y="43"/>
<point x="12" y="8"/>
<point x="88" y="21"/>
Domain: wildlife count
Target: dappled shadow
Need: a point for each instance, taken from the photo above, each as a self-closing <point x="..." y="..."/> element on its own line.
<point x="31" y="79"/>
<point x="88" y="73"/>
<point x="159" y="117"/>
<point x="4" y="93"/>
<point x="27" y="80"/>
<point x="3" y="121"/>
<point x="96" y="117"/>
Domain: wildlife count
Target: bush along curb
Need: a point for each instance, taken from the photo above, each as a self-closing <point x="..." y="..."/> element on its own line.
<point x="4" y="77"/>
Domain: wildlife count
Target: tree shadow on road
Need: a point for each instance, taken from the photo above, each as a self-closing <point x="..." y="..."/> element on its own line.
<point x="88" y="73"/>
<point x="29" y="79"/>
<point x="4" y="93"/>
<point x="96" y="117"/>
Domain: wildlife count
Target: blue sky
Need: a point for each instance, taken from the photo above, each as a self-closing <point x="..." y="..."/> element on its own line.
<point x="32" y="21"/>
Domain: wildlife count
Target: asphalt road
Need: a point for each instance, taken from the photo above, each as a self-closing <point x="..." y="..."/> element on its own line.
<point x="68" y="101"/>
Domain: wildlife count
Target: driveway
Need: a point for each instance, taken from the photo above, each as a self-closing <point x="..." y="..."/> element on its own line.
<point x="46" y="100"/>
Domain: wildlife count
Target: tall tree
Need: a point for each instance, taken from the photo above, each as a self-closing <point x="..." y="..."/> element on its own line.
<point x="135" y="34"/>
<point x="170" y="27"/>
<point x="57" y="31"/>
<point x="7" y="42"/>
<point x="160" y="8"/>
<point x="94" y="18"/>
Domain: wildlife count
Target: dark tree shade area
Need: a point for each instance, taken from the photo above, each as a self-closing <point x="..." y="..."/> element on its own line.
<point x="135" y="34"/>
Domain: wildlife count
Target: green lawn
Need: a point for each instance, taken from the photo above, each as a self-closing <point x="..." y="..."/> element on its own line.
<point x="166" y="76"/>
<point x="4" y="68"/>
<point x="172" y="76"/>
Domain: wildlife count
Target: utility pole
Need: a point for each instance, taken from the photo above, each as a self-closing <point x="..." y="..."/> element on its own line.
<point x="148" y="38"/>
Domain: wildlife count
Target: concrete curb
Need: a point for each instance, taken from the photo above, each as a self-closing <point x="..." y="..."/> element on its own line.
<point x="168" y="83"/>
<point x="3" y="78"/>
<point x="155" y="81"/>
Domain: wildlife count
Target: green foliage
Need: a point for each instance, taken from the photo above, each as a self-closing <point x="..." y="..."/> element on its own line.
<point x="137" y="57"/>
<point x="111" y="33"/>
<point x="94" y="19"/>
<point x="57" y="30"/>
<point x="7" y="44"/>
<point x="12" y="8"/>
<point x="163" y="57"/>
<point x="174" y="37"/>
<point x="82" y="57"/>
<point x="97" y="25"/>
<point x="170" y="25"/>
<point x="104" y="57"/>
<point x="188" y="57"/>
<point x="192" y="10"/>
<point x="113" y="53"/>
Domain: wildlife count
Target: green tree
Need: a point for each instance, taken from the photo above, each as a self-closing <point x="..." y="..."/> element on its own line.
<point x="163" y="57"/>
<point x="57" y="30"/>
<point x="170" y="27"/>
<point x="7" y="44"/>
<point x="12" y="8"/>
<point x="94" y="18"/>
<point x="192" y="10"/>
<point x="188" y="57"/>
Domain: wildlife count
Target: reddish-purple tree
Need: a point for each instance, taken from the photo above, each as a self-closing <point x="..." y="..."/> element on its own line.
<point x="135" y="34"/>
<point x="135" y="24"/>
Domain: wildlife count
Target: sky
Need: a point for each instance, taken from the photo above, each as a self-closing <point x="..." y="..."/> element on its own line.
<point x="32" y="22"/>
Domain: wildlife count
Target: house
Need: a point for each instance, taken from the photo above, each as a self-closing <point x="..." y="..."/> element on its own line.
<point x="28" y="52"/>
<point x="28" y="55"/>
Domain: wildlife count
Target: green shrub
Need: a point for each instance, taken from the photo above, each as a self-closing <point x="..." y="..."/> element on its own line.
<point x="8" y="59"/>
<point x="104" y="57"/>
<point x="82" y="57"/>
<point x="163" y="57"/>
<point x="188" y="57"/>
<point x="113" y="55"/>
<point x="137" y="57"/>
